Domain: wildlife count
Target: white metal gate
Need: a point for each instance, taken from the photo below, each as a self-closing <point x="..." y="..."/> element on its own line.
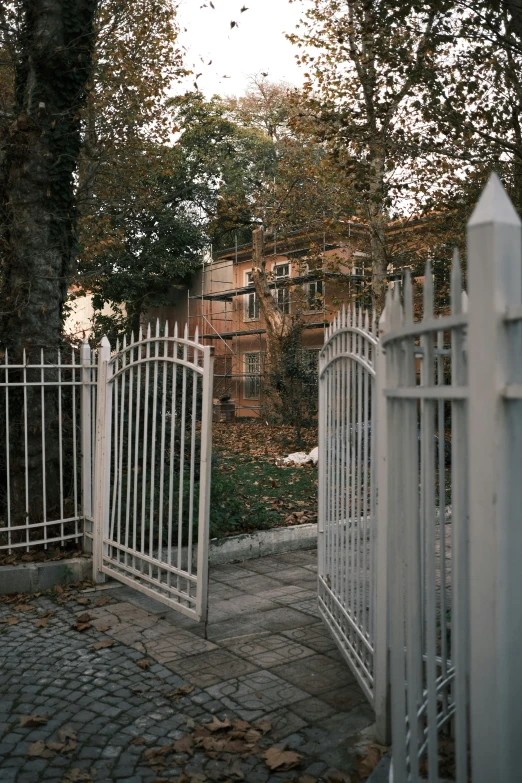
<point x="152" y="467"/>
<point x="346" y="584"/>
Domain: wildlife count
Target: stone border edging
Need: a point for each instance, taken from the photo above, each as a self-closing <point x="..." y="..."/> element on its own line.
<point x="261" y="543"/>
<point x="38" y="577"/>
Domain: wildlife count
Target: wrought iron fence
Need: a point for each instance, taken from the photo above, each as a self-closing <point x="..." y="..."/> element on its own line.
<point x="45" y="467"/>
<point x="446" y="530"/>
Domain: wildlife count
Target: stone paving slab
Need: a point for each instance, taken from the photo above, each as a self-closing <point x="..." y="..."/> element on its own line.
<point x="267" y="656"/>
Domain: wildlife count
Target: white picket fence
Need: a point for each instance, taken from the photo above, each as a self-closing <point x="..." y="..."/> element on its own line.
<point x="446" y="531"/>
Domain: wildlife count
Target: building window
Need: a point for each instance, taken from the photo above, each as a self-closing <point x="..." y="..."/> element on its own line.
<point x="252" y="302"/>
<point x="282" y="295"/>
<point x="252" y="375"/>
<point x="315" y="295"/>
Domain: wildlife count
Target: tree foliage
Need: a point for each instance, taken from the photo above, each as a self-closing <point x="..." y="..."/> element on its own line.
<point x="369" y="68"/>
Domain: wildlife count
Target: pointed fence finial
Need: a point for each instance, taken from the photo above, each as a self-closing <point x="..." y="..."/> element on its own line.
<point x="428" y="290"/>
<point x="396" y="311"/>
<point x="494" y="206"/>
<point x="408" y="298"/>
<point x="456" y="283"/>
<point x="157" y="327"/>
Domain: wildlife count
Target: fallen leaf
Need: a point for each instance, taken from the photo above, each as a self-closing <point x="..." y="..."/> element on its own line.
<point x="155" y="757"/>
<point x="33" y="720"/>
<point x="40" y="750"/>
<point x="11" y="620"/>
<point x="336" y="776"/>
<point x="252" y="736"/>
<point x="217" y="725"/>
<point x="83" y="601"/>
<point x="23" y="608"/>
<point x="68" y="738"/>
<point x="102" y="627"/>
<point x="102" y="601"/>
<point x="144" y="663"/>
<point x="264" y="725"/>
<point x="85" y="617"/>
<point x="138" y="741"/>
<point x="56" y="746"/>
<point x="277" y="758"/>
<point x="81" y="626"/>
<point x="103" y="644"/>
<point x="307" y="779"/>
<point x="184" y="745"/>
<point x="367" y="763"/>
<point x="235" y="771"/>
<point x="77" y="776"/>
<point x="259" y="695"/>
<point x="58" y="589"/>
<point x="42" y="623"/>
<point x="178" y="693"/>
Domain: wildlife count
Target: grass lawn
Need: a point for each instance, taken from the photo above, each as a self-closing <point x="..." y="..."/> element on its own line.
<point x="249" y="490"/>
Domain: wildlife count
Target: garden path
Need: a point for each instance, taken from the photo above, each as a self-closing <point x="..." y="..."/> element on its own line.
<point x="155" y="680"/>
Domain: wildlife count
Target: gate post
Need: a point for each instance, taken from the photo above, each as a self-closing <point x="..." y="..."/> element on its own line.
<point x="85" y="434"/>
<point x="205" y="479"/>
<point x="495" y="432"/>
<point x="321" y="489"/>
<point x="103" y="456"/>
<point x="380" y="454"/>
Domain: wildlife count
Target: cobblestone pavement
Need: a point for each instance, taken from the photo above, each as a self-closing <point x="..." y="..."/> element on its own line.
<point x="268" y="656"/>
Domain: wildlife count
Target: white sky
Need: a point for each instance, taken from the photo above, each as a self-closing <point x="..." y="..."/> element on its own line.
<point x="257" y="45"/>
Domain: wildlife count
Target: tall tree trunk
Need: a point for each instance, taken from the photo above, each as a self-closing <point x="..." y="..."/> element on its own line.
<point x="53" y="46"/>
<point x="283" y="388"/>
<point x="277" y="324"/>
<point x="376" y="227"/>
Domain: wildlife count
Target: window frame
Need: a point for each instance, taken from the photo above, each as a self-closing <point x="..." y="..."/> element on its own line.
<point x="252" y="377"/>
<point x="320" y="302"/>
<point x="283" y="306"/>
<point x="247" y="298"/>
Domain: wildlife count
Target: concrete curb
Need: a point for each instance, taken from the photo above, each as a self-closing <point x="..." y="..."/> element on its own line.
<point x="263" y="543"/>
<point x="38" y="577"/>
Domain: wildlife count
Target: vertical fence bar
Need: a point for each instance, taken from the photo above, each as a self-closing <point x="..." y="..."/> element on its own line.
<point x="205" y="478"/>
<point x="379" y="457"/>
<point x="44" y="477"/>
<point x="397" y="538"/>
<point x="460" y="536"/>
<point x="85" y="434"/>
<point x="103" y="455"/>
<point x="7" y="451"/>
<point x="26" y="451"/>
<point x="74" y="369"/>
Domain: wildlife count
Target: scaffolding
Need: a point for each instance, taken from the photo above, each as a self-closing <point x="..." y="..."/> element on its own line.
<point x="220" y="316"/>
